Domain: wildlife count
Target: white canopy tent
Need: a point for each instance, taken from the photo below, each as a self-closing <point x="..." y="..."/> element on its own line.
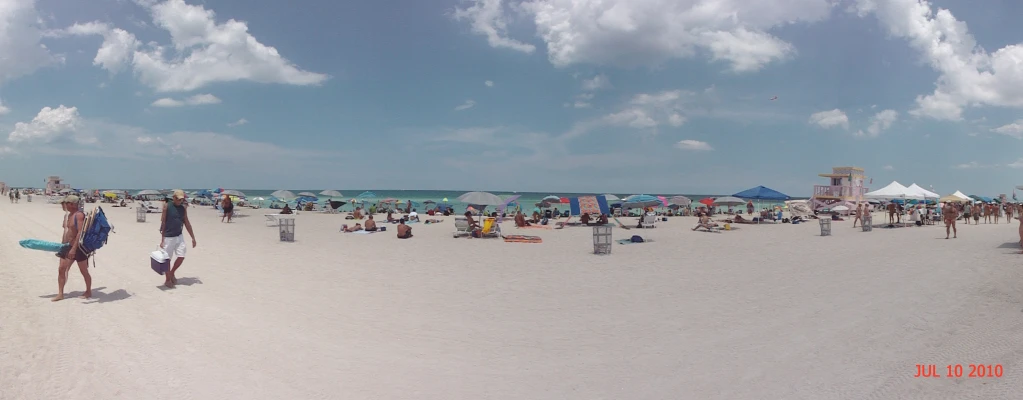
<point x="961" y="196"/>
<point x="928" y="195"/>
<point x="893" y="191"/>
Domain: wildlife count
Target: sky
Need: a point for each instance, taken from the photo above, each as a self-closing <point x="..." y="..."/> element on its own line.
<point x="620" y="96"/>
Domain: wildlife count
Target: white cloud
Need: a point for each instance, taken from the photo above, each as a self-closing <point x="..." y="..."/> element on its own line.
<point x="596" y="83"/>
<point x="1014" y="129"/>
<point x="487" y="18"/>
<point x="830" y="119"/>
<point x="1017" y="164"/>
<point x="202" y="52"/>
<point x="3" y="109"/>
<point x="196" y="100"/>
<point x="649" y="32"/>
<point x="693" y="145"/>
<point x="647" y="111"/>
<point x="880" y="122"/>
<point x="239" y="122"/>
<point x="581" y="104"/>
<point x="889" y="168"/>
<point x="21" y="52"/>
<point x="467" y="105"/>
<point x="48" y="126"/>
<point x="969" y="165"/>
<point x="968" y="75"/>
<point x="489" y="83"/>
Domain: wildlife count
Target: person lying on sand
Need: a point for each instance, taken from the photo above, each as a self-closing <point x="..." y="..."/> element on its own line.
<point x="737" y="219"/>
<point x="705" y="222"/>
<point x="404" y="231"/>
<point x="356" y="228"/>
<point x="432" y="221"/>
<point x="520" y="220"/>
<point x="371" y="225"/>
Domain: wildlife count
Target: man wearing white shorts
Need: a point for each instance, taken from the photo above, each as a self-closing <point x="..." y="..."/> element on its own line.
<point x="172" y="241"/>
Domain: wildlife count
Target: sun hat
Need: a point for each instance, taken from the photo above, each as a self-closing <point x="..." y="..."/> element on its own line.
<point x="69" y="199"/>
<point x="179" y="194"/>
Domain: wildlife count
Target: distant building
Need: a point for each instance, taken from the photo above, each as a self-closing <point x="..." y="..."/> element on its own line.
<point x="54" y="185"/>
<point x="845" y="189"/>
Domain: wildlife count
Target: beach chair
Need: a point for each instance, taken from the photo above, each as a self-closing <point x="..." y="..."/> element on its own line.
<point x="272" y="219"/>
<point x="648" y="221"/>
<point x="491" y="228"/>
<point x="461" y="227"/>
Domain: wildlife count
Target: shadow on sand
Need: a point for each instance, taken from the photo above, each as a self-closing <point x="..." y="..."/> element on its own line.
<point x="98" y="295"/>
<point x="1010" y="245"/>
<point x="184" y="281"/>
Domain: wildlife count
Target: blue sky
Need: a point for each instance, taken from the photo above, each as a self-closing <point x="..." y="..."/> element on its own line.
<point x="630" y="96"/>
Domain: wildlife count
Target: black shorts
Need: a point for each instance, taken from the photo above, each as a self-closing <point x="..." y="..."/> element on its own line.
<point x="228" y="210"/>
<point x="79" y="254"/>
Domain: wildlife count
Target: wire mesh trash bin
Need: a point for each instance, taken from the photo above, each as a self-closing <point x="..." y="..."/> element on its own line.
<point x="825" y="226"/>
<point x="602" y="239"/>
<point x="140" y="214"/>
<point x="868" y="223"/>
<point x="287" y="228"/>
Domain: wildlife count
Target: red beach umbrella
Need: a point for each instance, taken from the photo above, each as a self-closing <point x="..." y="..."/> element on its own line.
<point x="564" y="200"/>
<point x="708" y="201"/>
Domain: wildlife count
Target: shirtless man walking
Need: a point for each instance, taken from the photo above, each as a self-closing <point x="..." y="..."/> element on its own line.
<point x="859" y="215"/>
<point x="172" y="241"/>
<point x="72" y="223"/>
<point x="950" y="214"/>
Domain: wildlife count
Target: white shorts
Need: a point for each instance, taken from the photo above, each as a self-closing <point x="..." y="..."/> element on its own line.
<point x="175" y="246"/>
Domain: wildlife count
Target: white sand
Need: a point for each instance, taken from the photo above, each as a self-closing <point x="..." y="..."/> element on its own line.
<point x="763" y="312"/>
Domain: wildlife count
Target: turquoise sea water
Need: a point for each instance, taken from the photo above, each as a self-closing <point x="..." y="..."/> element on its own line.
<point x="527" y="199"/>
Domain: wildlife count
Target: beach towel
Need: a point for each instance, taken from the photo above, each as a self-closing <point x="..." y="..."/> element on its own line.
<point x="547" y="227"/>
<point x="159" y="261"/>
<point x="44" y="245"/>
<point x="522" y="239"/>
<point x="364" y="232"/>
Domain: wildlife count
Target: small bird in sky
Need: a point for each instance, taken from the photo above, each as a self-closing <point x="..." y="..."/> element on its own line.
<point x="774" y="98"/>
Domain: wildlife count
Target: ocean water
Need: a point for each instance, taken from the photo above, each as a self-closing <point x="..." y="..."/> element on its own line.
<point x="527" y="199"/>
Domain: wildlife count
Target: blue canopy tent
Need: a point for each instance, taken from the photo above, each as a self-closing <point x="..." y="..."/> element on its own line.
<point x="760" y="193"/>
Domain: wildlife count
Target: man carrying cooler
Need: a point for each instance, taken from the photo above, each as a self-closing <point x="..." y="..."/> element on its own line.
<point x="172" y="241"/>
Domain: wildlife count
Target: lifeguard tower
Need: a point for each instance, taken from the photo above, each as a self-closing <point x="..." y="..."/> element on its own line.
<point x="846" y="189"/>
<point x="54" y="185"/>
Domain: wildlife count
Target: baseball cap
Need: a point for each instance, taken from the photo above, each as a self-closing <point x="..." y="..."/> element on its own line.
<point x="179" y="194"/>
<point x="70" y="199"/>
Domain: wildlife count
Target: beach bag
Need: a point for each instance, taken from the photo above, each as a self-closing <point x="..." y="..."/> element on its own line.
<point x="159" y="260"/>
<point x="95" y="232"/>
<point x="636" y="239"/>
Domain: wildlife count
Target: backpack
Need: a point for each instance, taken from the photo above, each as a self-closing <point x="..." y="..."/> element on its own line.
<point x="636" y="239"/>
<point x="94" y="234"/>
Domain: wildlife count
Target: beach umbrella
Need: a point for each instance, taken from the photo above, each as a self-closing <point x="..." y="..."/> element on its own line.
<point x="707" y="201"/>
<point x="481" y="198"/>
<point x="283" y="194"/>
<point x="729" y="201"/>
<point x="642" y="201"/>
<point x="840" y="208"/>
<point x="762" y="193"/>
<point x="445" y="199"/>
<point x="366" y="195"/>
<point x="551" y="198"/>
<point x="389" y="200"/>
<point x="611" y="197"/>
<point x="680" y="201"/>
<point x="331" y="193"/>
<point x="429" y="202"/>
<point x="149" y="192"/>
<point x="307" y="194"/>
<point x="233" y="193"/>
<point x="563" y="200"/>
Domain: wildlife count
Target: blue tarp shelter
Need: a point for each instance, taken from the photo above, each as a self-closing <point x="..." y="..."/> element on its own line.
<point x="588" y="205"/>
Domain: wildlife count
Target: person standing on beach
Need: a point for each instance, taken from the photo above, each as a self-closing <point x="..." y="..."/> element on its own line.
<point x="73" y="222"/>
<point x="859" y="215"/>
<point x="172" y="241"/>
<point x="228" y="207"/>
<point x="949" y="214"/>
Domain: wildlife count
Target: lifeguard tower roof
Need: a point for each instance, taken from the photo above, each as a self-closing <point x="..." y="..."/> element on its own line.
<point x="841" y="172"/>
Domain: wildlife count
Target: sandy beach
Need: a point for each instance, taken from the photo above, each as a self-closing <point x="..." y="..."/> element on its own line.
<point x="761" y="312"/>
